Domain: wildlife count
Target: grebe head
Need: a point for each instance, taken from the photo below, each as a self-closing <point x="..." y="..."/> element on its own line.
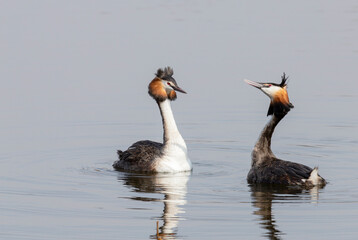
<point x="163" y="86"/>
<point x="280" y="104"/>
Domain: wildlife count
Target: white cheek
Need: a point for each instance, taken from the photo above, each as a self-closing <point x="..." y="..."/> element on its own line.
<point x="271" y="91"/>
<point x="167" y="87"/>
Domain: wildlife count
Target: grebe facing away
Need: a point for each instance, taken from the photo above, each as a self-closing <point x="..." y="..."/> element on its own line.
<point x="265" y="167"/>
<point x="149" y="156"/>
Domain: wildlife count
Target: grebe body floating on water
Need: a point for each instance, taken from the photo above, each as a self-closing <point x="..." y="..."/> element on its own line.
<point x="265" y="167"/>
<point x="169" y="156"/>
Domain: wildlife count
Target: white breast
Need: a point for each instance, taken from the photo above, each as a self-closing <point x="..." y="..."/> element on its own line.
<point x="174" y="159"/>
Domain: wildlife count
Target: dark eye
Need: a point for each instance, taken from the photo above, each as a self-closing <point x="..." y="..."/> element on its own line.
<point x="269" y="85"/>
<point x="168" y="83"/>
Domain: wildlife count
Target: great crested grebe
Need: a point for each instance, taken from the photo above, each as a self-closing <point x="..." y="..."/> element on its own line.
<point x="149" y="156"/>
<point x="265" y="167"/>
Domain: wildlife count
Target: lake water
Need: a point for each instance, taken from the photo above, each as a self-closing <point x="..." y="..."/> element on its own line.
<point x="74" y="79"/>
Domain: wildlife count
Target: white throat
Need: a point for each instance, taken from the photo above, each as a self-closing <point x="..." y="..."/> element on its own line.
<point x="171" y="132"/>
<point x="175" y="155"/>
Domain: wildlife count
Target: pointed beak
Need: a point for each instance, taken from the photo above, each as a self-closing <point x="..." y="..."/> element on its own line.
<point x="176" y="88"/>
<point x="254" y="84"/>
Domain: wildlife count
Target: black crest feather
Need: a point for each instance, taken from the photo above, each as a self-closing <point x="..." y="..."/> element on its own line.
<point x="165" y="73"/>
<point x="284" y="80"/>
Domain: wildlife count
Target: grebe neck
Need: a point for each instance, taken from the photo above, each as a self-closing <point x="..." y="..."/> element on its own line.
<point x="262" y="148"/>
<point x="171" y="132"/>
<point x="174" y="157"/>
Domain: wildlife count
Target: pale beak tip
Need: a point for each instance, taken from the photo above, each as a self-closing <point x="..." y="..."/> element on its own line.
<point x="252" y="83"/>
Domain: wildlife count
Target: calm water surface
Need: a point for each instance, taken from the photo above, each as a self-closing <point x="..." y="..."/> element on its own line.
<point x="74" y="90"/>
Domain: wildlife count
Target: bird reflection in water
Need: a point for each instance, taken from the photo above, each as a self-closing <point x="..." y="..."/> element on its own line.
<point x="174" y="189"/>
<point x="263" y="196"/>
